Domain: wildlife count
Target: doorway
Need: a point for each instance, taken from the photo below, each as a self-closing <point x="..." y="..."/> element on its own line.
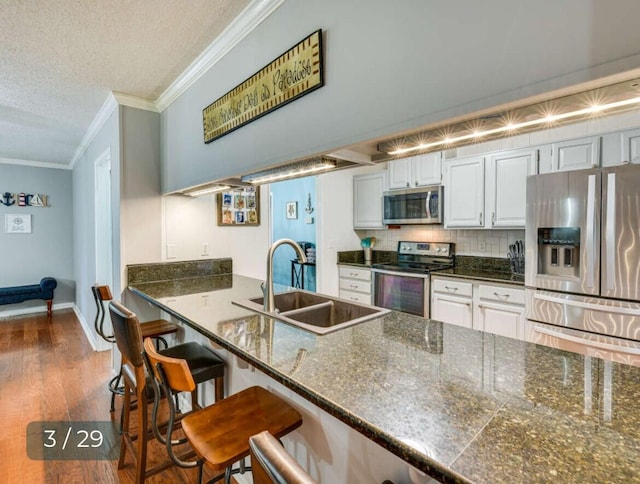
<point x="103" y="226"/>
<point x="293" y="216"/>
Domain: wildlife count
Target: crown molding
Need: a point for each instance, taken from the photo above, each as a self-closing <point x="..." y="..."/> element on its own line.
<point x="135" y="102"/>
<point x="236" y="31"/>
<point x="109" y="106"/>
<point x="37" y="164"/>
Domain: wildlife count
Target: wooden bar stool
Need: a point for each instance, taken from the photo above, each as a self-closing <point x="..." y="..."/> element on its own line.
<point x="220" y="433"/>
<point x="151" y="329"/>
<point x="272" y="464"/>
<point x="202" y="364"/>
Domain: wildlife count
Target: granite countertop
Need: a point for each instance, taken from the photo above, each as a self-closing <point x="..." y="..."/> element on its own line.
<point x="486" y="408"/>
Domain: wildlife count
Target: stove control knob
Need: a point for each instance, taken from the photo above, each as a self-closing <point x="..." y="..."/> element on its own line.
<point x="438" y="249"/>
<point x="407" y="248"/>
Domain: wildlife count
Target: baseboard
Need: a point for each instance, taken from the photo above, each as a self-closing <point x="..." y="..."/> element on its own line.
<point x="97" y="345"/>
<point x="9" y="313"/>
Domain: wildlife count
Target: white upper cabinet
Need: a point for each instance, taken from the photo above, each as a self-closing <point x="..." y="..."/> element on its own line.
<point x="506" y="187"/>
<point x="416" y="171"/>
<point x="576" y="154"/>
<point x="464" y="193"/>
<point x="621" y="148"/>
<point x="367" y="200"/>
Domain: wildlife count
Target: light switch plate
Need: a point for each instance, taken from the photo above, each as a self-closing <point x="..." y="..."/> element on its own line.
<point x="171" y="251"/>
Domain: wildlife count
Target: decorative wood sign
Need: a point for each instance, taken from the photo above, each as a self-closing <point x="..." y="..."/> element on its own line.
<point x="23" y="200"/>
<point x="295" y="73"/>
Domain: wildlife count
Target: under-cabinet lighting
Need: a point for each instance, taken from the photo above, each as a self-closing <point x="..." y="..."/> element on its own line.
<point x="551" y="113"/>
<point x="207" y="190"/>
<point x="291" y="170"/>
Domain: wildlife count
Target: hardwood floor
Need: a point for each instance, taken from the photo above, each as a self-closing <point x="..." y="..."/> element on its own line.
<point x="49" y="372"/>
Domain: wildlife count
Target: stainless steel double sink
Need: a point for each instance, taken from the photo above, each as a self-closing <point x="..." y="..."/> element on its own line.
<point x="314" y="312"/>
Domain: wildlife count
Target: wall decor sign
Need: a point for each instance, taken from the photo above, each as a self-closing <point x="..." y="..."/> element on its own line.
<point x="239" y="207"/>
<point x="295" y="73"/>
<point x="23" y="199"/>
<point x="17" y="224"/>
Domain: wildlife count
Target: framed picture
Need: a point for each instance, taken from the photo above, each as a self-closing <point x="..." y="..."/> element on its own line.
<point x="17" y="223"/>
<point x="239" y="207"/>
<point x="292" y="210"/>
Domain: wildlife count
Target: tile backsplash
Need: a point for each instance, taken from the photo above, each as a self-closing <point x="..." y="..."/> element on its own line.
<point x="482" y="243"/>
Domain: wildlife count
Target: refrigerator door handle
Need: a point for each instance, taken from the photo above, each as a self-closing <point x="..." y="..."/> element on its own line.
<point x="610" y="230"/>
<point x="591" y="231"/>
<point x="589" y="342"/>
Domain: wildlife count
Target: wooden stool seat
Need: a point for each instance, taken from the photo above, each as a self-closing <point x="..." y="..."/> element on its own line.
<point x="157" y="328"/>
<point x="220" y="433"/>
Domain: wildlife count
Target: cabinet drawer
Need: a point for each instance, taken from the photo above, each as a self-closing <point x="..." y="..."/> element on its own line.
<point x="502" y="294"/>
<point x="356" y="296"/>
<point x="355" y="285"/>
<point x="448" y="286"/>
<point x="355" y="273"/>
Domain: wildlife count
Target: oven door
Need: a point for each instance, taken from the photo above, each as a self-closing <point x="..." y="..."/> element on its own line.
<point x="401" y="291"/>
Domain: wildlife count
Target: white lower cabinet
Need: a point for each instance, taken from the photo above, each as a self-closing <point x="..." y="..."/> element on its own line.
<point x="452" y="302"/>
<point x="355" y="284"/>
<point x="493" y="308"/>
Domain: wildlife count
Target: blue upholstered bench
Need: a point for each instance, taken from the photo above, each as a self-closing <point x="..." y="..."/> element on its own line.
<point x="18" y="294"/>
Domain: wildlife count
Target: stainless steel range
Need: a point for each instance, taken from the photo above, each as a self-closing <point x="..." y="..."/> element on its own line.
<point x="405" y="286"/>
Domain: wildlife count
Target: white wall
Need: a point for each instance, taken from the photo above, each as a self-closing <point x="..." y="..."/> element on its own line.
<point x="393" y="66"/>
<point x="107" y="139"/>
<point x="48" y="249"/>
<point x="189" y="222"/>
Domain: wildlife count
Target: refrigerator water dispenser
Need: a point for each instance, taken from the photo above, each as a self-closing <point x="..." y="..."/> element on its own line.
<point x="559" y="251"/>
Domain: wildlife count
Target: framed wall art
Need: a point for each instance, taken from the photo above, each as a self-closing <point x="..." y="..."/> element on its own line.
<point x="239" y="207"/>
<point x="292" y="210"/>
<point x="17" y="224"/>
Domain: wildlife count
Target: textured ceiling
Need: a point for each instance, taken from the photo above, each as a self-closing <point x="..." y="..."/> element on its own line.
<point x="60" y="60"/>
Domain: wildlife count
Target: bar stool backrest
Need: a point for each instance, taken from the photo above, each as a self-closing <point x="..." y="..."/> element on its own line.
<point x="128" y="334"/>
<point x="272" y="464"/>
<point x="173" y="372"/>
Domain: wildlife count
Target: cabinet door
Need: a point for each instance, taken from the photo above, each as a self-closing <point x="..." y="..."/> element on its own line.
<point x="427" y="169"/>
<point x="367" y="200"/>
<point x="506" y="187"/>
<point x="399" y="173"/>
<point x="452" y="309"/>
<point x="464" y="193"/>
<point x="631" y="146"/>
<point x="503" y="319"/>
<point x="576" y="154"/>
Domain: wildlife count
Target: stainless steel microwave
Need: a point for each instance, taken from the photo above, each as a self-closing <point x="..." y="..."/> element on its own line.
<point x="413" y="206"/>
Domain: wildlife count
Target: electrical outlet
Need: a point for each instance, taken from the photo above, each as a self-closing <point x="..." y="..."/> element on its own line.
<point x="482" y="246"/>
<point x="205" y="249"/>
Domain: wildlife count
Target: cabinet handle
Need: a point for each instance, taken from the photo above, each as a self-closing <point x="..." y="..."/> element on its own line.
<point x="481" y="218"/>
<point x="493" y="218"/>
<point x="416" y="182"/>
<point x="408" y="184"/>
<point x="353" y="286"/>
<point x="506" y="296"/>
<point x="353" y="274"/>
<point x="450" y="288"/>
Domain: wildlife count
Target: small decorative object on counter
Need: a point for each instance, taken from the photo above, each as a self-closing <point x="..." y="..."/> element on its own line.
<point x="516" y="257"/>
<point x="367" y="244"/>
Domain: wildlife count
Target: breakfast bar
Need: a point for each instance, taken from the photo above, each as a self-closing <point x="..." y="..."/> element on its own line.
<point x="457" y="404"/>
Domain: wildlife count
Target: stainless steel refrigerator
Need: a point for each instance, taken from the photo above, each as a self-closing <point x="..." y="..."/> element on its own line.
<point x="583" y="250"/>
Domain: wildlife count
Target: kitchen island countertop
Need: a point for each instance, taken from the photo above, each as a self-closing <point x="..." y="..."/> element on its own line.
<point x="482" y="407"/>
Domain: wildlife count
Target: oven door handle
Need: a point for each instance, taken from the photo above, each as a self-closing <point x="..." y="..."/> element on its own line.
<point x="585" y="341"/>
<point x="400" y="274"/>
